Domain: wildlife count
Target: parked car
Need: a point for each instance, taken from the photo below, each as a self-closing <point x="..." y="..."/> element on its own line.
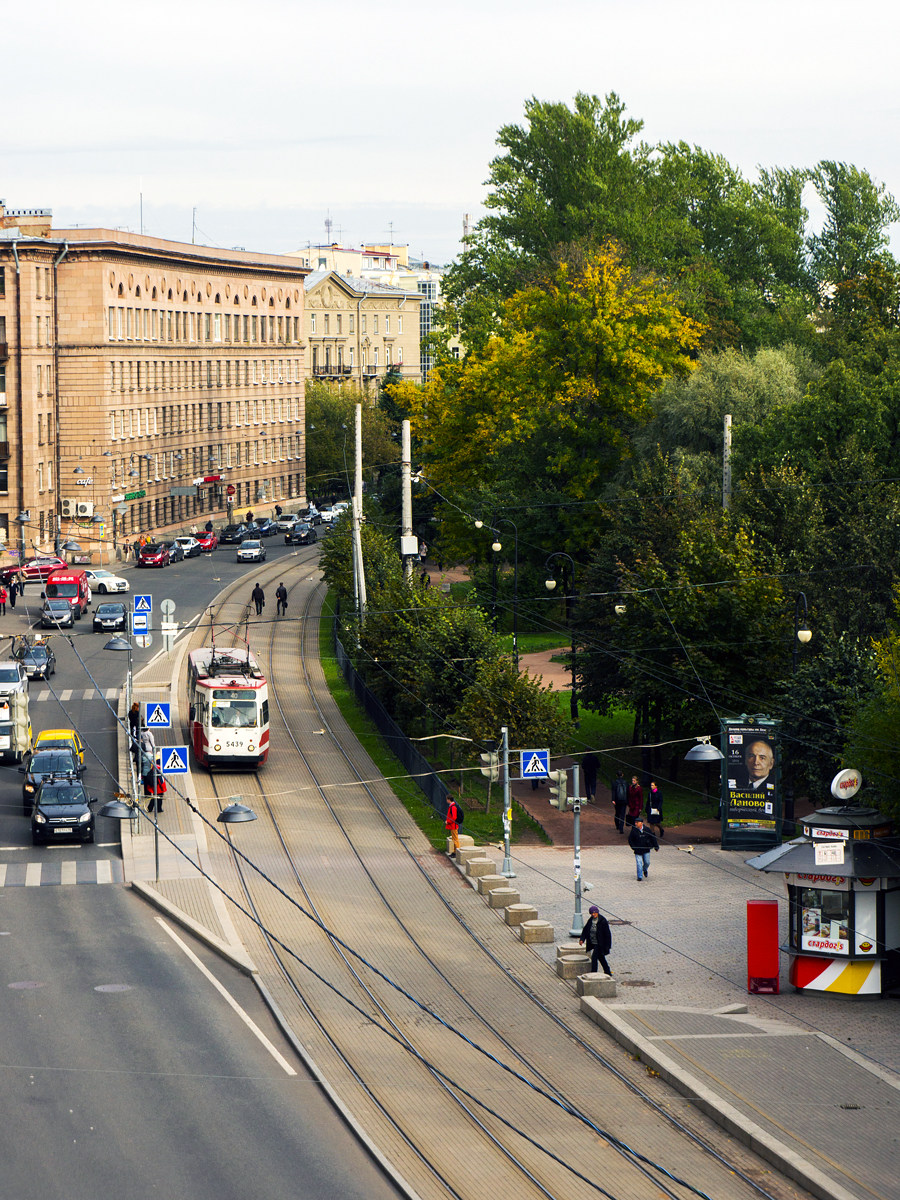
<point x="59" y="739"/>
<point x="106" y="581"/>
<point x="265" y="527"/>
<point x="62" y="808"/>
<point x="57" y="614"/>
<point x="190" y="547"/>
<point x="13" y="677"/>
<point x="176" y="554"/>
<point x="40" y="766"/>
<point x="153" y="554"/>
<point x="251" y="550"/>
<point x="39" y="567"/>
<point x="310" y="515"/>
<point x="207" y="541"/>
<point x="111" y="616"/>
<point x="39" y="661"/>
<point x="300" y="534"/>
<point x="233" y="534"/>
<point x="328" y="512"/>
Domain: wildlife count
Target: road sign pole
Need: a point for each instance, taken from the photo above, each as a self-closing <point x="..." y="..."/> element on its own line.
<point x="577" y="920"/>
<point x="507" y="870"/>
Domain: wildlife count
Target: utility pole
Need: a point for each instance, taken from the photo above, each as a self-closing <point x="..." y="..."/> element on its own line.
<point x="357" y="520"/>
<point x="409" y="545"/>
<point x="726" y="463"/>
<point x="578" y="919"/>
<point x="507" y="872"/>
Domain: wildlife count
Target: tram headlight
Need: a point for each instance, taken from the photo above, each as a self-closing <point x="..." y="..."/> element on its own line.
<point x="251" y="747"/>
<point x="217" y="747"/>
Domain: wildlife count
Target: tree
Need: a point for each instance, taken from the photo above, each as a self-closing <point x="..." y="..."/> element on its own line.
<point x="858" y="212"/>
<point x="330" y="424"/>
<point x="549" y="402"/>
<point x="498" y="696"/>
<point x="872" y="746"/>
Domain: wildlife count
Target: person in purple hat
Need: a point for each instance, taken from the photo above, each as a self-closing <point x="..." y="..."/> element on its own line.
<point x="596" y="937"/>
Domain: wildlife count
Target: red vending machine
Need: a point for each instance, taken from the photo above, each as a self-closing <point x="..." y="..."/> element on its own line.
<point x="762" y="947"/>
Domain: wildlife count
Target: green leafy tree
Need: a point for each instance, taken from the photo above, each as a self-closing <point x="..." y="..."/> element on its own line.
<point x="872" y="746"/>
<point x="858" y="213"/>
<point x="498" y="696"/>
<point x="330" y="424"/>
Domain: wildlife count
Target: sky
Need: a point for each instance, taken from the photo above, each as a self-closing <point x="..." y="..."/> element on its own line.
<point x="249" y="124"/>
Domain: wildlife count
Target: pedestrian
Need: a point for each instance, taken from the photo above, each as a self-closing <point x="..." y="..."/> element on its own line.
<point x="597" y="938"/>
<point x="249" y="520"/>
<point x="281" y="597"/>
<point x="134" y="730"/>
<point x="635" y="800"/>
<point x="208" y="526"/>
<point x="423" y="551"/>
<point x="258" y="596"/>
<point x="642" y="841"/>
<point x="148" y="741"/>
<point x="425" y="580"/>
<point x="194" y="529"/>
<point x="278" y="511"/>
<point x="590" y="765"/>
<point x="620" y="800"/>
<point x="136" y="547"/>
<point x="451" y="824"/>
<point x="13" y="591"/>
<point x="654" y="811"/>
<point x="2" y="600"/>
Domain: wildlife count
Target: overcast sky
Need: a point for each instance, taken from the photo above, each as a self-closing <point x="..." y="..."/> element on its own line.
<point x="268" y="116"/>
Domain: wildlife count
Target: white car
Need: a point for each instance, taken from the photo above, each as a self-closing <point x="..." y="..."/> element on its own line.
<point x="104" y="581"/>
<point x="251" y="551"/>
<point x="286" y="522"/>
<point x="190" y="547"/>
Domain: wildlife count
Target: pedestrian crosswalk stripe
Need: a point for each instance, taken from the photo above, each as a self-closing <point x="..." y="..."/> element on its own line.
<point x="69" y="871"/>
<point x="88" y="694"/>
<point x="51" y="872"/>
<point x="2" y="875"/>
<point x="66" y="696"/>
<point x="104" y="871"/>
<point x="33" y="874"/>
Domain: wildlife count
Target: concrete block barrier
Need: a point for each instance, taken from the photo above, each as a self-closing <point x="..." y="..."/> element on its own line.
<point x="570" y="966"/>
<point x="487" y="883"/>
<point x="476" y="867"/>
<point x="596" y="983"/>
<point x="569" y="948"/>
<point x="503" y="897"/>
<point x="517" y="913"/>
<point x="536" y="931"/>
<point x="465" y="853"/>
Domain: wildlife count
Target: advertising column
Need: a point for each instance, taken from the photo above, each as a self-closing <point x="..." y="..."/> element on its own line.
<point x="751" y="784"/>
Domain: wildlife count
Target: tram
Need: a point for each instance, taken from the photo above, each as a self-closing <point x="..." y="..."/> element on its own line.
<point x="228" y="708"/>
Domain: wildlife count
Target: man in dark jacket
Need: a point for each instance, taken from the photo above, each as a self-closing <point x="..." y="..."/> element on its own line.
<point x="590" y="764"/>
<point x="258" y="596"/>
<point x="281" y="597"/>
<point x="597" y="938"/>
<point x="642" y="841"/>
<point x="620" y="800"/>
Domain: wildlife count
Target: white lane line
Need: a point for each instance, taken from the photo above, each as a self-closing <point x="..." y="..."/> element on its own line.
<point x="104" y="870"/>
<point x="68" y="871"/>
<point x="33" y="874"/>
<point x="251" y="1025"/>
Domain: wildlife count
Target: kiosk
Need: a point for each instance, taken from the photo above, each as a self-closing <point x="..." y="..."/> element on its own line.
<point x="843" y="886"/>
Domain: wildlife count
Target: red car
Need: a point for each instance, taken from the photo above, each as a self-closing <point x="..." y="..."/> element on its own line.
<point x="208" y="541"/>
<point x="153" y="555"/>
<point x="39" y="567"/>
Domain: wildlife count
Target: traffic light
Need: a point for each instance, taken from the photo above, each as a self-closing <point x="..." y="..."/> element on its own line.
<point x="558" y="789"/>
<point x="20" y="722"/>
<point x="490" y="765"/>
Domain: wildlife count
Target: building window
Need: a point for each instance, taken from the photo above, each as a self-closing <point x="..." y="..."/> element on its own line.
<point x="352" y="320"/>
<point x="374" y="322"/>
<point x="312" y="322"/>
<point x="399" y="324"/>
<point x="387" y="325"/>
<point x="327" y="323"/>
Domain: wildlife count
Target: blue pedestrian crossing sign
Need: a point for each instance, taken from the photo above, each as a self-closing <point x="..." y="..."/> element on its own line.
<point x="535" y="764"/>
<point x="157" y="714"/>
<point x="174" y="760"/>
<point x="143" y="604"/>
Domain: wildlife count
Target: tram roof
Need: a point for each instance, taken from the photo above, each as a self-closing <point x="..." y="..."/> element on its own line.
<point x="215" y="663"/>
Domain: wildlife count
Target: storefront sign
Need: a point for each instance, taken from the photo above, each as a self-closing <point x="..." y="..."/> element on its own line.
<point x="846" y="784"/>
<point x="87" y="481"/>
<point x="135" y="495"/>
<point x="820" y="831"/>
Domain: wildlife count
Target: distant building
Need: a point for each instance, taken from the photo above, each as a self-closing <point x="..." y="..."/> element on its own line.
<point x="390" y="266"/>
<point x="359" y="330"/>
<point x="144" y="384"/>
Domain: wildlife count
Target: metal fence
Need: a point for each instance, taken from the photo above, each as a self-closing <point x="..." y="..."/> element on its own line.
<point x="418" y="767"/>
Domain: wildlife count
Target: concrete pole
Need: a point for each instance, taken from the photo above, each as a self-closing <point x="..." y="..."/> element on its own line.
<point x="357" y="521"/>
<point x="726" y="463"/>
<point x="507" y="870"/>
<point x="577" y="919"/>
<point x="406" y="495"/>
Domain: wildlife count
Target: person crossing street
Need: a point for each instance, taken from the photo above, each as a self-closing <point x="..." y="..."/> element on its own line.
<point x="642" y="841"/>
<point x="258" y="596"/>
<point x="281" y="597"/>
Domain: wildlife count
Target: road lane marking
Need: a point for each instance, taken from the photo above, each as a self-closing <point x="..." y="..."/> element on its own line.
<point x="33" y="874"/>
<point x="104" y="870"/>
<point x="248" y="1021"/>
<point x="69" y="871"/>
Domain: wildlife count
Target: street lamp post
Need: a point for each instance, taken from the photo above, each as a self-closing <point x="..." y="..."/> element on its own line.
<point x="497" y="547"/>
<point x="802" y="634"/>
<point x="550" y="584"/>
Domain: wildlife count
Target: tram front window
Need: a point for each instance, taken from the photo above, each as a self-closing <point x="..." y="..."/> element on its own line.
<point x="234" y="714"/>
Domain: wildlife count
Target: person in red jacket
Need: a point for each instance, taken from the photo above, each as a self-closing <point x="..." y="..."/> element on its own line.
<point x="451" y="824"/>
<point x="635" y="801"/>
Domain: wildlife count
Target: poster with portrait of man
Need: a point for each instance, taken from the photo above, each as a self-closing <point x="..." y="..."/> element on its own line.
<point x="751" y="800"/>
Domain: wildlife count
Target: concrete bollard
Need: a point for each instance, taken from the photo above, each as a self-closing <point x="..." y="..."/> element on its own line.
<point x="476" y="867"/>
<point x="465" y="843"/>
<point x="595" y="983"/>
<point x="465" y="853"/>
<point x="503" y="897"/>
<point x="517" y="913"/>
<point x="569" y="948"/>
<point x="487" y="883"/>
<point x="570" y="966"/>
<point x="536" y="931"/>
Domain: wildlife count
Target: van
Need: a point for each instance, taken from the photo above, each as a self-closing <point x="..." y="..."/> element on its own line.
<point x="70" y="583"/>
<point x="14" y="723"/>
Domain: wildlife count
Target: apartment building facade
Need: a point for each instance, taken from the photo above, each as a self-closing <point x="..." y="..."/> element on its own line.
<point x="359" y="330"/>
<point x="145" y="384"/>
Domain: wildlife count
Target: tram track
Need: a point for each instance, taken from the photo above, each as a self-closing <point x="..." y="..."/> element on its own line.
<point x="578" y="1128"/>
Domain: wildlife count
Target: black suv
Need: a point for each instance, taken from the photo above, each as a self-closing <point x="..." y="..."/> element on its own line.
<point x="45" y="764"/>
<point x="233" y="534"/>
<point x="62" y="809"/>
<point x="300" y="534"/>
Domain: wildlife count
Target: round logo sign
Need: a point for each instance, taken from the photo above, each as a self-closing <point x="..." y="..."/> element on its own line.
<point x="846" y="784"/>
<point x="229" y="491"/>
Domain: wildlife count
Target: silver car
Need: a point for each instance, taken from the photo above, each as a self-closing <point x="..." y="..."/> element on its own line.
<point x="57" y="614"/>
<point x="251" y="551"/>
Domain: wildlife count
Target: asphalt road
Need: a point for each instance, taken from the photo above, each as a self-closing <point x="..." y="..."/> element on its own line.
<point x="123" y="1070"/>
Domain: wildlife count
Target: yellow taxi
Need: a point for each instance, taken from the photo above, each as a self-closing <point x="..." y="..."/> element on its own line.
<point x="59" y="739"/>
